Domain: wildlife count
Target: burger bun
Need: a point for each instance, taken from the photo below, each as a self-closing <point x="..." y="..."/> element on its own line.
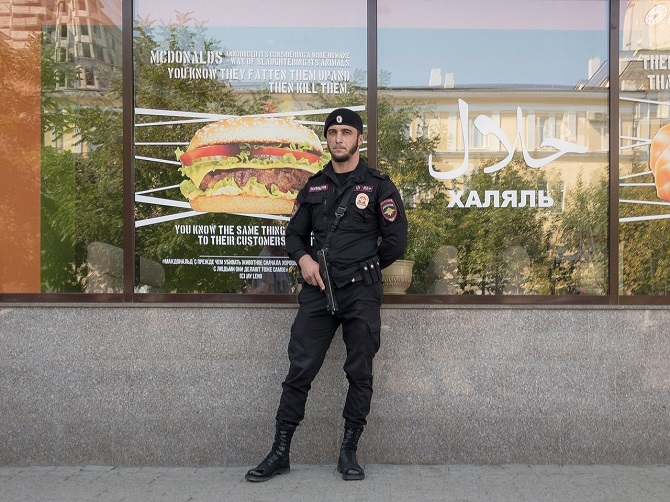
<point x="242" y="204"/>
<point x="259" y="130"/>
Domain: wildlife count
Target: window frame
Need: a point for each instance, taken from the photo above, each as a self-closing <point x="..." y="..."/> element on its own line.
<point x="129" y="259"/>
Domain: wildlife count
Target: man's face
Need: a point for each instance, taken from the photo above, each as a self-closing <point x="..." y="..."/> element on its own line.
<point x="343" y="142"/>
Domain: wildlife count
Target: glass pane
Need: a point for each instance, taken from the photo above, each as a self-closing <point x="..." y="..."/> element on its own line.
<point x="644" y="192"/>
<point x="62" y="190"/>
<point x="493" y="120"/>
<point x="213" y="195"/>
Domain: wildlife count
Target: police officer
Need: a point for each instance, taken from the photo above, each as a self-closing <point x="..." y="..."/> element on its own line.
<point x="370" y="236"/>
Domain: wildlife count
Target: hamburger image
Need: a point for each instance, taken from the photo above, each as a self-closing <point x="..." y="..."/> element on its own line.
<point x="249" y="165"/>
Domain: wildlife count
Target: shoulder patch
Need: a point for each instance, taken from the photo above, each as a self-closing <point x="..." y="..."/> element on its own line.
<point x="296" y="208"/>
<point x="389" y="209"/>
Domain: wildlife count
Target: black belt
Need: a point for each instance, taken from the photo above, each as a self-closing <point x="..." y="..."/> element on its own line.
<point x="366" y="271"/>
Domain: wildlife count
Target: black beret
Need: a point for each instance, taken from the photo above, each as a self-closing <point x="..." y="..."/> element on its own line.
<point x="343" y="116"/>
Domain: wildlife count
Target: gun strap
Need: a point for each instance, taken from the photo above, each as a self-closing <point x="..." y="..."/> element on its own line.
<point x="339" y="213"/>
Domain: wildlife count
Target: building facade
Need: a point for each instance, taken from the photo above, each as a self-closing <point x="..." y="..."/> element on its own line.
<point x="529" y="142"/>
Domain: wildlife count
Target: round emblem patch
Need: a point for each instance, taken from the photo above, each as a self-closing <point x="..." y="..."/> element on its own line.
<point x="339" y="119"/>
<point x="362" y="201"/>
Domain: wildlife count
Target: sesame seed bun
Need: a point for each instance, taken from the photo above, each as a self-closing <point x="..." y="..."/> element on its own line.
<point x="270" y="130"/>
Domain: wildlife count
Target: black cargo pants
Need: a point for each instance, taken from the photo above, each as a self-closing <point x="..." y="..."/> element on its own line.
<point x="311" y="335"/>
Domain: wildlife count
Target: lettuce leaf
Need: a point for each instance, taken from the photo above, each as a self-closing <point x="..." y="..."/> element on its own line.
<point x="229" y="187"/>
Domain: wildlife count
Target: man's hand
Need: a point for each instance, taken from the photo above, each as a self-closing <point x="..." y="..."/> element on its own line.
<point x="310" y="272"/>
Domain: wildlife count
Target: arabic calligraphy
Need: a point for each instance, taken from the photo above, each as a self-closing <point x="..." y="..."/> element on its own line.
<point x="486" y="126"/>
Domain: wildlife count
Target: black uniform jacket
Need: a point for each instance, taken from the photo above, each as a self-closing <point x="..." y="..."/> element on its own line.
<point x="374" y="210"/>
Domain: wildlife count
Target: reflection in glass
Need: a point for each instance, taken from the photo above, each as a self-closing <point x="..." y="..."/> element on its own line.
<point x="644" y="201"/>
<point x="68" y="142"/>
<point x="508" y="142"/>
<point x="85" y="148"/>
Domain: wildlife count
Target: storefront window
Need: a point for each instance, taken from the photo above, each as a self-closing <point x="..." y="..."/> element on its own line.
<point x="644" y="198"/>
<point x="492" y="117"/>
<point x="506" y="162"/>
<point x="212" y="199"/>
<point x="62" y="185"/>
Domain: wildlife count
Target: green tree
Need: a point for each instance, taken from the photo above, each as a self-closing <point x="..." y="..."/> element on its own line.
<point x="581" y="250"/>
<point x="82" y="194"/>
<point x="644" y="244"/>
<point x="483" y="234"/>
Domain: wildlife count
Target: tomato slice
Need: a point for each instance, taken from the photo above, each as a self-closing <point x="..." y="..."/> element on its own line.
<point x="209" y="151"/>
<point x="273" y="151"/>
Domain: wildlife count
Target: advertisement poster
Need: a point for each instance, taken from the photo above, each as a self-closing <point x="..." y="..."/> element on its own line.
<point x="511" y="116"/>
<point x="229" y="120"/>
<point x="644" y="175"/>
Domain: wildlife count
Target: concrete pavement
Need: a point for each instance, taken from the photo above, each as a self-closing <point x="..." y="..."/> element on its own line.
<point x="320" y="483"/>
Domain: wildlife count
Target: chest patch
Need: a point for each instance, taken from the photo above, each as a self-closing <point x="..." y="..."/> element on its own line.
<point x="362" y="201"/>
<point x="318" y="188"/>
<point x="364" y="188"/>
<point x="389" y="209"/>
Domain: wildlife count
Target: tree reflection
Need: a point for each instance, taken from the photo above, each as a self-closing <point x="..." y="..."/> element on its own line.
<point x="491" y="250"/>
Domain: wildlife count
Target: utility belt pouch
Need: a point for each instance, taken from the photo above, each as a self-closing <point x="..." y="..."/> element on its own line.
<point x="377" y="269"/>
<point x="370" y="271"/>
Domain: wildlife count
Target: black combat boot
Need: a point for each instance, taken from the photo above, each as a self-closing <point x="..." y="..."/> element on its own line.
<point x="347" y="464"/>
<point x="277" y="461"/>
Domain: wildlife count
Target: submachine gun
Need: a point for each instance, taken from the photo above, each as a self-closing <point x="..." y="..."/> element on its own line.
<point x="324" y="268"/>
